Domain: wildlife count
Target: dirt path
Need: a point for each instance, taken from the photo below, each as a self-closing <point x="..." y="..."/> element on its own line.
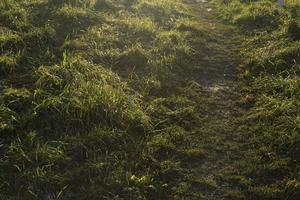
<point x="213" y="176"/>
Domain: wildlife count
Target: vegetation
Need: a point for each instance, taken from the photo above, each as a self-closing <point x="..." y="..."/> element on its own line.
<point x="87" y="98"/>
<point x="139" y="99"/>
<point x="271" y="72"/>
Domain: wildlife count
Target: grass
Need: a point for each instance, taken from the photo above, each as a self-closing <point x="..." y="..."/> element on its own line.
<point x="135" y="99"/>
<point x="271" y="72"/>
<point x="85" y="94"/>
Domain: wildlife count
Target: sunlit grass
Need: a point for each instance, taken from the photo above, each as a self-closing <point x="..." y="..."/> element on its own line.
<point x="79" y="78"/>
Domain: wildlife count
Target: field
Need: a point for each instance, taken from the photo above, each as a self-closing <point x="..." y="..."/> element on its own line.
<point x="149" y="99"/>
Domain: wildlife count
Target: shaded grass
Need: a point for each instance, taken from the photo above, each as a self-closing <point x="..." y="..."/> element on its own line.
<point x="271" y="71"/>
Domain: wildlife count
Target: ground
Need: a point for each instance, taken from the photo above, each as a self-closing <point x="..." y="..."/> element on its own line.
<point x="217" y="133"/>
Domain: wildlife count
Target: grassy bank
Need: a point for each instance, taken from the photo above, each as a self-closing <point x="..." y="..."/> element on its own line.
<point x="94" y="98"/>
<point x="271" y="72"/>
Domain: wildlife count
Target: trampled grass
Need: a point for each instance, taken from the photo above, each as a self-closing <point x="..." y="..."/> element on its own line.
<point x="271" y="69"/>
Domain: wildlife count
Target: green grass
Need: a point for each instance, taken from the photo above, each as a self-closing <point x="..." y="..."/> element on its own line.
<point x="271" y="71"/>
<point x="103" y="99"/>
<point x="85" y="97"/>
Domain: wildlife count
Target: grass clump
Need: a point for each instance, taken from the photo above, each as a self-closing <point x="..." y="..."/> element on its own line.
<point x="9" y="40"/>
<point x="260" y="15"/>
<point x="293" y="30"/>
<point x="8" y="64"/>
<point x="77" y="17"/>
<point x="13" y="15"/>
<point x="141" y="29"/>
<point x="254" y="16"/>
<point x="16" y="98"/>
<point x="161" y="11"/>
<point x="82" y="92"/>
<point x="8" y="120"/>
<point x="105" y="5"/>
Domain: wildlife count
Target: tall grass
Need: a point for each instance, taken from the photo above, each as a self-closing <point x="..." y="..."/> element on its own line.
<point x="81" y="96"/>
